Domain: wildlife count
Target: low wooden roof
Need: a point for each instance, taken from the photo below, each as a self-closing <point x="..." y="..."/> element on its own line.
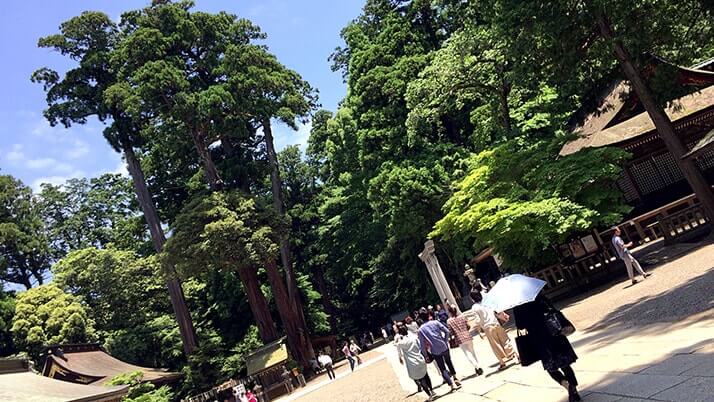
<point x="18" y="384"/>
<point x="90" y="363"/>
<point x="617" y="115"/>
<point x="641" y="124"/>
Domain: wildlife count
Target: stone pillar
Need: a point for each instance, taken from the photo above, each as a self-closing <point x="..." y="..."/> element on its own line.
<point x="437" y="275"/>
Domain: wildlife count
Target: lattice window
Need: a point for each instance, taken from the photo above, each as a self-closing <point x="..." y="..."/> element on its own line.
<point x="668" y="169"/>
<point x="705" y="159"/>
<point x="647" y="177"/>
<point x="628" y="189"/>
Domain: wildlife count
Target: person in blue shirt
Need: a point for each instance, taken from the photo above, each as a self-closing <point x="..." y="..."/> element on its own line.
<point x="434" y="340"/>
<point x="622" y="250"/>
<point x="441" y="314"/>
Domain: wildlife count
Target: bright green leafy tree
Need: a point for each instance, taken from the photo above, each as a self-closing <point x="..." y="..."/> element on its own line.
<point x="46" y="315"/>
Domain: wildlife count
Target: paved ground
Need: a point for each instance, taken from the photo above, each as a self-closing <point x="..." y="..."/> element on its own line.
<point x="653" y="341"/>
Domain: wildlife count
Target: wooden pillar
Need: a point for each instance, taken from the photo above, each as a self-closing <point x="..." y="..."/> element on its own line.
<point x="639" y="230"/>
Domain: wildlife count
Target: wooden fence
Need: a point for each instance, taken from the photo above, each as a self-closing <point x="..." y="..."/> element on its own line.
<point x="678" y="221"/>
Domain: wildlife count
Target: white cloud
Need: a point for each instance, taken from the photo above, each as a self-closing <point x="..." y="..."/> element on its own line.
<point x="285" y="135"/>
<point x="42" y="129"/>
<point x="79" y="149"/>
<point x="16" y="154"/>
<point x="49" y="164"/>
<point x="121" y="169"/>
<point x="55" y="180"/>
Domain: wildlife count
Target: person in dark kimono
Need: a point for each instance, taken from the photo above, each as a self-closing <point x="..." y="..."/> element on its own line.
<point x="555" y="352"/>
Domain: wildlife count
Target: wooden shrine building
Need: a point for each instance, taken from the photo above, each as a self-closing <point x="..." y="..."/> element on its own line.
<point x="664" y="207"/>
<point x="91" y="364"/>
<point x="19" y="384"/>
<point x="651" y="178"/>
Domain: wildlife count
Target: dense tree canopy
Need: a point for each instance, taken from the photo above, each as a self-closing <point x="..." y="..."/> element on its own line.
<point x="24" y="250"/>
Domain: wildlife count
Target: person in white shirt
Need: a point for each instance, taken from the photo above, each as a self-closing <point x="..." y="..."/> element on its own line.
<point x="409" y="351"/>
<point x="326" y="362"/>
<point x="411" y="325"/>
<point x="624" y="253"/>
<point x="485" y="321"/>
<point x="355" y="351"/>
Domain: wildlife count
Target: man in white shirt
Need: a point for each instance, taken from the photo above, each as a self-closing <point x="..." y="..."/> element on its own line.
<point x="625" y="255"/>
<point x="326" y="362"/>
<point x="485" y="321"/>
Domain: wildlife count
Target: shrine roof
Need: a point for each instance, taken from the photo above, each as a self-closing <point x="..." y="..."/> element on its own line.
<point x="90" y="363"/>
<point x="19" y="384"/>
<point x="593" y="136"/>
<point x="703" y="144"/>
<point x="618" y="116"/>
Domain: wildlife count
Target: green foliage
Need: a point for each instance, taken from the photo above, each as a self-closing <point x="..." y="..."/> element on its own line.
<point x="92" y="213"/>
<point x="24" y="249"/>
<point x="235" y="363"/>
<point x="119" y="288"/>
<point x="520" y="198"/>
<point x="223" y="231"/>
<point x="7" y="311"/>
<point x="45" y="315"/>
<point x="141" y="391"/>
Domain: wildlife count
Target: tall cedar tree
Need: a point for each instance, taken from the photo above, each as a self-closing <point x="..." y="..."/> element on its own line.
<point x="89" y="40"/>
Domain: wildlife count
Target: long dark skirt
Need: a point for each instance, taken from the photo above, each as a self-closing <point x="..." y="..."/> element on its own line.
<point x="556" y="352"/>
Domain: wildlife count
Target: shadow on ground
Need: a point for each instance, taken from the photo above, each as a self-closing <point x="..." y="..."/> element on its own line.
<point x="686" y="375"/>
<point x="693" y="297"/>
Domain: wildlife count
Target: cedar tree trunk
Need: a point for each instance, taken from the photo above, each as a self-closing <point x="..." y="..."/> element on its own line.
<point x="298" y="338"/>
<point x="178" y="301"/>
<point x="209" y="167"/>
<point x="278" y="203"/>
<point x="258" y="304"/>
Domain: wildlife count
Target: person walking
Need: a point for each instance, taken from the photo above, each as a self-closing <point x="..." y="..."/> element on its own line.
<point x="459" y="329"/>
<point x="485" y="321"/>
<point x="409" y="352"/>
<point x="623" y="251"/>
<point x="348" y="354"/>
<point x="411" y="325"/>
<point x="326" y="362"/>
<point x="555" y="352"/>
<point x="355" y="349"/>
<point x="434" y="341"/>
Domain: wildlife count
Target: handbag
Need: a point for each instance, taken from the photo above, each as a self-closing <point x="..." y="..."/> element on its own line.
<point x="527" y="349"/>
<point x="557" y="324"/>
<point x="453" y="344"/>
<point x="428" y="358"/>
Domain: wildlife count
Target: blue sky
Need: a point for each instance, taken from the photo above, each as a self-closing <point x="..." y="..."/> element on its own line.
<point x="302" y="33"/>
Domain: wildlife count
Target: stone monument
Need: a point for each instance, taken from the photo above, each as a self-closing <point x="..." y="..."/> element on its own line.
<point x="437" y="275"/>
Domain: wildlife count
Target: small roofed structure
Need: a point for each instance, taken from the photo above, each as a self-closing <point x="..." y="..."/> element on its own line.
<point x="267" y="357"/>
<point x="19" y="384"/>
<point x="267" y="365"/>
<point x="91" y="364"/>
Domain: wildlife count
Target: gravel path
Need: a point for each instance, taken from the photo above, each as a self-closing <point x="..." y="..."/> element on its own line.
<point x="678" y="291"/>
<point x="377" y="383"/>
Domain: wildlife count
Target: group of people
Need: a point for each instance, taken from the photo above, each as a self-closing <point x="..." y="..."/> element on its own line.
<point x="351" y="351"/>
<point x="428" y="334"/>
